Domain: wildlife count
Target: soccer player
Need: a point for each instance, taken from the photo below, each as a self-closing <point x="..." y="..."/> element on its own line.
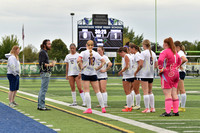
<point x="86" y="62"/>
<point x="149" y="62"/>
<point x="102" y="74"/>
<point x="181" y="90"/>
<point x="73" y="74"/>
<point x="169" y="62"/>
<point x="135" y="51"/>
<point x="128" y="78"/>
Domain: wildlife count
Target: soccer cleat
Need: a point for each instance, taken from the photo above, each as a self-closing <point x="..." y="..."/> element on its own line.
<point x="136" y="107"/>
<point x="88" y="111"/>
<point x="165" y="114"/>
<point x="127" y="109"/>
<point x="73" y="104"/>
<point x="83" y="105"/>
<point x="181" y="109"/>
<point x="103" y="110"/>
<point x="152" y="110"/>
<point x="146" y="111"/>
<point x="175" y="114"/>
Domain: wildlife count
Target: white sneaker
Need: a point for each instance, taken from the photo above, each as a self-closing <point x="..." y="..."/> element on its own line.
<point x="136" y="107"/>
<point x="11" y="105"/>
<point x="73" y="104"/>
<point x="83" y="105"/>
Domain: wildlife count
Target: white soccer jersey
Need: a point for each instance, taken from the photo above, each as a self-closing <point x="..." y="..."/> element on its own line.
<point x="89" y="69"/>
<point x="137" y="57"/>
<point x="128" y="73"/>
<point x="73" y="68"/>
<point x="181" y="53"/>
<point x="100" y="74"/>
<point x="147" y="70"/>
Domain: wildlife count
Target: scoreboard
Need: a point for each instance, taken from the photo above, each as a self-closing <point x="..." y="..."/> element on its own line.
<point x="108" y="36"/>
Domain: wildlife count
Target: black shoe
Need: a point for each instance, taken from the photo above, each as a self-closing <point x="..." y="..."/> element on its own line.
<point x="43" y="109"/>
<point x="165" y="114"/>
<point x="175" y="114"/>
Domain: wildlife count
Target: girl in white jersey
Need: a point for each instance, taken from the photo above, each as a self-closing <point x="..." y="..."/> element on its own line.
<point x="149" y="62"/>
<point x="128" y="78"/>
<point x="73" y="74"/>
<point x="102" y="74"/>
<point x="87" y="60"/>
<point x="181" y="90"/>
<point x="135" y="51"/>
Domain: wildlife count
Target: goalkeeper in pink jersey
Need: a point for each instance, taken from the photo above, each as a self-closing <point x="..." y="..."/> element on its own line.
<point x="169" y="62"/>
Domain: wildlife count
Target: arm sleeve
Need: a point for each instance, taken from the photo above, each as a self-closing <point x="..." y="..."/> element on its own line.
<point x="138" y="57"/>
<point x="12" y="65"/>
<point x="179" y="61"/>
<point x="161" y="59"/>
<point x="107" y="60"/>
<point x="81" y="54"/>
<point x="42" y="58"/>
<point x="66" y="59"/>
<point x="141" y="56"/>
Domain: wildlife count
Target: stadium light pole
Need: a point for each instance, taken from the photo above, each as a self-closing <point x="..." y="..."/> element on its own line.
<point x="72" y="14"/>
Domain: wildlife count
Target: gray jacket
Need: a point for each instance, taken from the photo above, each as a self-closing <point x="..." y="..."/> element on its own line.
<point x="13" y="65"/>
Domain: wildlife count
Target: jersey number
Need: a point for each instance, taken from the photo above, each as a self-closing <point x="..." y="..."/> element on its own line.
<point x="90" y="60"/>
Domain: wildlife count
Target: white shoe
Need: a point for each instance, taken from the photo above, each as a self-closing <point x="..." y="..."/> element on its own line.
<point x="136" y="107"/>
<point x="73" y="104"/>
<point x="83" y="105"/>
<point x="11" y="105"/>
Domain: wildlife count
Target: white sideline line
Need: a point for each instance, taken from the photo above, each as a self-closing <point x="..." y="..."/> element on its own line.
<point x="185" y="127"/>
<point x="168" y="123"/>
<point x="169" y="120"/>
<point x="114" y="117"/>
<point x="191" y="131"/>
<point x="42" y="122"/>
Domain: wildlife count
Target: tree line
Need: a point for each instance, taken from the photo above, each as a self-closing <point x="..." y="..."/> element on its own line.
<point x="59" y="49"/>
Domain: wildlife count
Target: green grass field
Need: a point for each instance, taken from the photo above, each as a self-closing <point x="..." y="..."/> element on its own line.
<point x="59" y="89"/>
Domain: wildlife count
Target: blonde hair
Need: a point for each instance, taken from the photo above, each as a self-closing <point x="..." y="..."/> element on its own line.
<point x="14" y="51"/>
<point x="147" y="43"/>
<point x="90" y="45"/>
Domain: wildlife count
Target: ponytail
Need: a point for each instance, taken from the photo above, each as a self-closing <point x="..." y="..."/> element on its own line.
<point x="90" y="44"/>
<point x="44" y="43"/>
<point x="170" y="43"/>
<point x="178" y="44"/>
<point x="147" y="43"/>
<point x="132" y="45"/>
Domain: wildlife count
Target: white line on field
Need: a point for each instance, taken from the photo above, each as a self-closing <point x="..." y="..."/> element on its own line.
<point x="56" y="130"/>
<point x="36" y="119"/>
<point x="185" y="127"/>
<point x="114" y="117"/>
<point x="43" y="122"/>
<point x="171" y="120"/>
<point x="191" y="131"/>
<point x="168" y="123"/>
<point x="49" y="125"/>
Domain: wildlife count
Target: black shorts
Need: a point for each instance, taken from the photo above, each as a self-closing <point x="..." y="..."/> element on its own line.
<point x="128" y="79"/>
<point x="102" y="79"/>
<point x="182" y="75"/>
<point x="137" y="78"/>
<point x="149" y="80"/>
<point x="73" y="76"/>
<point x="89" y="77"/>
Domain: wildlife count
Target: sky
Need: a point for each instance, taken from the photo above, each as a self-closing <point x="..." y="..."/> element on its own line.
<point x="50" y="19"/>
